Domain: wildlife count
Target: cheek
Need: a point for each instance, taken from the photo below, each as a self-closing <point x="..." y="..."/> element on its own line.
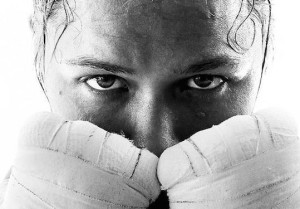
<point x="61" y="93"/>
<point x="190" y="114"/>
<point x="72" y="101"/>
<point x="205" y="111"/>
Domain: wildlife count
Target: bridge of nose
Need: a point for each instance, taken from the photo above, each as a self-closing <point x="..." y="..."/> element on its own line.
<point x="151" y="122"/>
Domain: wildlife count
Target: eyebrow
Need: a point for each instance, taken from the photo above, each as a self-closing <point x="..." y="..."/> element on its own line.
<point x="205" y="65"/>
<point x="98" y="64"/>
<point x="209" y="64"/>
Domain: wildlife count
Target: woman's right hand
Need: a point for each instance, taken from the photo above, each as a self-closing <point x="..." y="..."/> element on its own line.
<point x="75" y="164"/>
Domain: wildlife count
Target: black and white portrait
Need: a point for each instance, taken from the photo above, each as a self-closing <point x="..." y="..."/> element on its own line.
<point x="180" y="104"/>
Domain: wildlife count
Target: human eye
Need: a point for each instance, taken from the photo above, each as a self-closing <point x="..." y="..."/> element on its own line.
<point x="205" y="82"/>
<point x="105" y="82"/>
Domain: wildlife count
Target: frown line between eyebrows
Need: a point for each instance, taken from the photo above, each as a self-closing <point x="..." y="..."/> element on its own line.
<point x="198" y="67"/>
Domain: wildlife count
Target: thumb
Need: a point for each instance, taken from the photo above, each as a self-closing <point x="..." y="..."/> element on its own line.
<point x="245" y="162"/>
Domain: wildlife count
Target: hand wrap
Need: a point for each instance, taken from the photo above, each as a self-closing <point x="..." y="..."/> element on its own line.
<point x="245" y="162"/>
<point x="63" y="164"/>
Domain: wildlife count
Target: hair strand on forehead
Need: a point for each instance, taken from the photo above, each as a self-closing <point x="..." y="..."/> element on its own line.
<point x="46" y="10"/>
<point x="69" y="18"/>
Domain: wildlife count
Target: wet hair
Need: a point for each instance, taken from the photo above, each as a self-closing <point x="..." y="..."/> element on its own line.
<point x="46" y="11"/>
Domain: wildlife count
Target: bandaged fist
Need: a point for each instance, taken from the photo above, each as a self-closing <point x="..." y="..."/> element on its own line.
<point x="245" y="162"/>
<point x="62" y="164"/>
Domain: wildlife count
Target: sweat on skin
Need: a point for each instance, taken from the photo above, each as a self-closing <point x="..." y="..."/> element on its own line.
<point x="156" y="61"/>
<point x="245" y="162"/>
<point x="153" y="51"/>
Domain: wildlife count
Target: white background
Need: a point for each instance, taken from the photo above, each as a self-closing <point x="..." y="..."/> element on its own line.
<point x="21" y="94"/>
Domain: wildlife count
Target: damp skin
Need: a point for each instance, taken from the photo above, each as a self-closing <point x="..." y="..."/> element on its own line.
<point x="153" y="50"/>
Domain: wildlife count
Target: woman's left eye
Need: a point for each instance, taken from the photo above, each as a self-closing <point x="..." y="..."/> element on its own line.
<point x="105" y="82"/>
<point x="204" y="82"/>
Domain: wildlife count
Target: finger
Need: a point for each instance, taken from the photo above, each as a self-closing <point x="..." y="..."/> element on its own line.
<point x="240" y="160"/>
<point x="84" y="164"/>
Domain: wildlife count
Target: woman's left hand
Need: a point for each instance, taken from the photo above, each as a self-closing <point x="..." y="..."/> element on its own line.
<point x="245" y="162"/>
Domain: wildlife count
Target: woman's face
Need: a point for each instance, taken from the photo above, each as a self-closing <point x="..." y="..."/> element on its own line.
<point x="156" y="71"/>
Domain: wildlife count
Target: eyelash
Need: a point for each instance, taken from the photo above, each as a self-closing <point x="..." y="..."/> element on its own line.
<point x="217" y="81"/>
<point x="189" y="83"/>
<point x="114" y="82"/>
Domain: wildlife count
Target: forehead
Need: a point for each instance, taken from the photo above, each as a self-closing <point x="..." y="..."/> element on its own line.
<point x="157" y="19"/>
<point x="149" y="28"/>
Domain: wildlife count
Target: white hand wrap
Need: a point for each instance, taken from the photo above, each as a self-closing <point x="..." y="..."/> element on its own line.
<point x="77" y="165"/>
<point x="245" y="162"/>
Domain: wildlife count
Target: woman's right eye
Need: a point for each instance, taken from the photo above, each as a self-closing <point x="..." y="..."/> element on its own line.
<point x="105" y="82"/>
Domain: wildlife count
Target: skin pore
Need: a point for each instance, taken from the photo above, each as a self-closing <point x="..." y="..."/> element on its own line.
<point x="150" y="58"/>
<point x="156" y="71"/>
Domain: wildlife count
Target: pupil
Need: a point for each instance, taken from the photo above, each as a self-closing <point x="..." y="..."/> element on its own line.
<point x="106" y="81"/>
<point x="203" y="81"/>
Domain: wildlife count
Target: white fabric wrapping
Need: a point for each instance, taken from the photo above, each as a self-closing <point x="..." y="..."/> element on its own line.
<point x="247" y="162"/>
<point x="76" y="165"/>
